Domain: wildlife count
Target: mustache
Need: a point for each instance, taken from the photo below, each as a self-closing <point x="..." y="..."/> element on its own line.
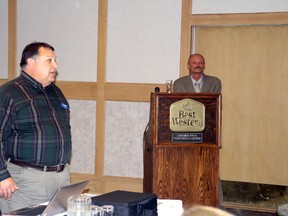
<point x="198" y="67"/>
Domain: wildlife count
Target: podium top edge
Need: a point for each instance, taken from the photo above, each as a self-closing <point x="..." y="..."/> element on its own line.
<point x="187" y="94"/>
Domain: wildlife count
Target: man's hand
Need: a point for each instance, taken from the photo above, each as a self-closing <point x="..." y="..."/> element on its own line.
<point x="7" y="187"/>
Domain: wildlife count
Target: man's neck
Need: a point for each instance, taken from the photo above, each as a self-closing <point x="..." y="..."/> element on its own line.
<point x="196" y="76"/>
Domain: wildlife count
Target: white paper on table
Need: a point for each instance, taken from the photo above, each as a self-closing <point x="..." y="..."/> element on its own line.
<point x="168" y="207"/>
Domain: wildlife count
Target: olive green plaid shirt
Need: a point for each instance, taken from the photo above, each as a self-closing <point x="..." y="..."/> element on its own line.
<point x="34" y="124"/>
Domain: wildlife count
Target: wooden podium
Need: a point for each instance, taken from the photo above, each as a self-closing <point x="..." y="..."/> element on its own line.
<point x="185" y="170"/>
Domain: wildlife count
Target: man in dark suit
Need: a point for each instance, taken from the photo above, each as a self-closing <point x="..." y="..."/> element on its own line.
<point x="197" y="81"/>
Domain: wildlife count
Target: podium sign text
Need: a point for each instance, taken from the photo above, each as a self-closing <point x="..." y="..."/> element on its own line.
<point x="187" y="115"/>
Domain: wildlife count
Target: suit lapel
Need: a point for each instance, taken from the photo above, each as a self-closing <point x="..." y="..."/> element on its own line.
<point x="189" y="84"/>
<point x="205" y="85"/>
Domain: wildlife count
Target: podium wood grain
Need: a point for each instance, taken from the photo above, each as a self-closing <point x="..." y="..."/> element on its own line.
<point x="185" y="171"/>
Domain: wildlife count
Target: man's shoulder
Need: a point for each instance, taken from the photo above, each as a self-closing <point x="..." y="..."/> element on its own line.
<point x="184" y="78"/>
<point x="211" y="78"/>
<point x="183" y="84"/>
<point x="9" y="84"/>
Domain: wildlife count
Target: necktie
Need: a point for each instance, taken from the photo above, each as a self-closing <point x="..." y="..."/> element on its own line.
<point x="197" y="87"/>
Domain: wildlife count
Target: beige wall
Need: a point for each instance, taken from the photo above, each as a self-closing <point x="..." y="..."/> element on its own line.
<point x="252" y="64"/>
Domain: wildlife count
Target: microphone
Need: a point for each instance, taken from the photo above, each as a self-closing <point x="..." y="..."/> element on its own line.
<point x="157" y="89"/>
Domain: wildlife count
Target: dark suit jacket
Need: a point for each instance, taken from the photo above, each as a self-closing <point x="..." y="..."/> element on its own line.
<point x="210" y="84"/>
